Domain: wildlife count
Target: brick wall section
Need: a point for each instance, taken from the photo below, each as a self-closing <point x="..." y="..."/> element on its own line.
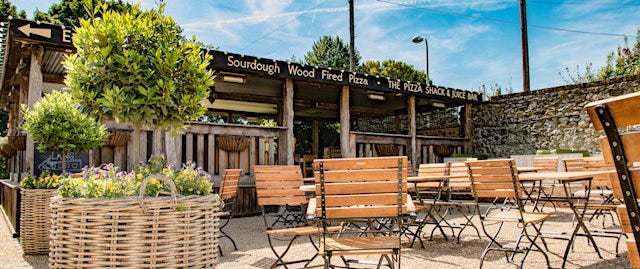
<point x="522" y="123"/>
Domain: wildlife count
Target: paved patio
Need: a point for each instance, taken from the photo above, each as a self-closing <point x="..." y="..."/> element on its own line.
<point x="254" y="250"/>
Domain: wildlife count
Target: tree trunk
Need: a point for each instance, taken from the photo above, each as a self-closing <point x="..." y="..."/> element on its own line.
<point x="64" y="162"/>
<point x="135" y="141"/>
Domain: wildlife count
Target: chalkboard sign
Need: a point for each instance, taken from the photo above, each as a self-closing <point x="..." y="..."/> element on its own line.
<point x="52" y="162"/>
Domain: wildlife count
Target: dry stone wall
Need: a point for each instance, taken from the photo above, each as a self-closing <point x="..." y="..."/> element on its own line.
<point x="521" y="123"/>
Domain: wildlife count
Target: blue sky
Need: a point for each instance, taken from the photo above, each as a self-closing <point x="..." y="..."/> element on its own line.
<point x="464" y="52"/>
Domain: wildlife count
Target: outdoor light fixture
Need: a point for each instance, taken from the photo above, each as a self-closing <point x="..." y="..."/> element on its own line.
<point x="439" y="104"/>
<point x="418" y="39"/>
<point x="234" y="78"/>
<point x="375" y="96"/>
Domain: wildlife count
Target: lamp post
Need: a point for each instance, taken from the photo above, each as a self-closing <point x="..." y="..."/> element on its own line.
<point x="418" y="39"/>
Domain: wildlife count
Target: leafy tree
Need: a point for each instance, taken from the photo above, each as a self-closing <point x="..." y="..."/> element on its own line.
<point x="57" y="124"/>
<point x="136" y="67"/>
<point x="392" y="69"/>
<point x="624" y="61"/>
<point x="69" y="12"/>
<point x="330" y="52"/>
<point x="7" y="9"/>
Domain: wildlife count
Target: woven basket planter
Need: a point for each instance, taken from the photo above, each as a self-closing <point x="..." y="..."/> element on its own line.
<point x="233" y="143"/>
<point x="35" y="220"/>
<point x="141" y="232"/>
<point x="443" y="151"/>
<point x="388" y="150"/>
<point x="117" y="138"/>
<point x="18" y="142"/>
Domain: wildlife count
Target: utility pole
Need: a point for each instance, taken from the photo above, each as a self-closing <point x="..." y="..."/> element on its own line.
<point x="352" y="38"/>
<point x="525" y="46"/>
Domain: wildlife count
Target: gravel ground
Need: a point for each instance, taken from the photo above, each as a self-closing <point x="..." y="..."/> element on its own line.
<point x="254" y="251"/>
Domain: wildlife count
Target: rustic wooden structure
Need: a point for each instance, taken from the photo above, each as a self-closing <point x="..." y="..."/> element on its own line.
<point x="249" y="88"/>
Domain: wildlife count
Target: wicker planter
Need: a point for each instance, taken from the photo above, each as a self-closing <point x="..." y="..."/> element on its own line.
<point x="233" y="143"/>
<point x="18" y="142"/>
<point x="388" y="150"/>
<point x="443" y="151"/>
<point x="117" y="138"/>
<point x="141" y="232"/>
<point x="35" y="220"/>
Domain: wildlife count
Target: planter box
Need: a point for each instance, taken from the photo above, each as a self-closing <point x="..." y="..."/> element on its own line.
<point x="156" y="232"/>
<point x="35" y="220"/>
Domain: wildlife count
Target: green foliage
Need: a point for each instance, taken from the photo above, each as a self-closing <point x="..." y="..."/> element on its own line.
<point x="46" y="180"/>
<point x="580" y="76"/>
<point x="494" y="89"/>
<point x="477" y="156"/>
<point x="624" y="61"/>
<point x="136" y="67"/>
<point x="393" y="69"/>
<point x="585" y="153"/>
<point x="7" y="9"/>
<point x="330" y="52"/>
<point x="107" y="181"/>
<point x="57" y="124"/>
<point x="69" y="12"/>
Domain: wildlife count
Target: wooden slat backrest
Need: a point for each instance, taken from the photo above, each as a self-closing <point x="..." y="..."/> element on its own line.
<point x="592" y="164"/>
<point x="622" y="148"/>
<point x="546" y="163"/>
<point x="361" y="187"/>
<point x="493" y="179"/>
<point x="229" y="183"/>
<point x="431" y="169"/>
<point x="279" y="185"/>
<point x="458" y="176"/>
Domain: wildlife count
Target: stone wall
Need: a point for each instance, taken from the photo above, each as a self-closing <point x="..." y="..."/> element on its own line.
<point x="521" y="123"/>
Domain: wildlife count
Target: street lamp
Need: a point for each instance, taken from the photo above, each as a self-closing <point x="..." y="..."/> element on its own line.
<point x="418" y="39"/>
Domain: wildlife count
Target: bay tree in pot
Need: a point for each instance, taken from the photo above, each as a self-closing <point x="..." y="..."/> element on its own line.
<point x="137" y="67"/>
<point x="56" y="123"/>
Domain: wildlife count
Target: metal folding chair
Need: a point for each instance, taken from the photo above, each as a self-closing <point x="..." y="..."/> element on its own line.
<point x="228" y="192"/>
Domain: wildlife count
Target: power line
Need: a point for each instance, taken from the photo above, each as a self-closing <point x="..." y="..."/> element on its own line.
<point x="585" y="4"/>
<point x="502" y="21"/>
<point x="282" y="26"/>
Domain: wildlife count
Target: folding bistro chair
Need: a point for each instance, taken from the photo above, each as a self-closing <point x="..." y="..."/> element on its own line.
<point x="279" y="186"/>
<point x="458" y="196"/>
<point x="621" y="147"/>
<point x="498" y="179"/>
<point x="228" y="192"/>
<point x="351" y="189"/>
<point x="425" y="196"/>
<point x="547" y="187"/>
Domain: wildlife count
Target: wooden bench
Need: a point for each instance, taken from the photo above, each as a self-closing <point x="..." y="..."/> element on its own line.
<point x="353" y="189"/>
<point x="621" y="147"/>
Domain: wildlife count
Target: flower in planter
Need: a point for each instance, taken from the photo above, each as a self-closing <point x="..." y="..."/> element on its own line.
<point x="107" y="182"/>
<point x="46" y="180"/>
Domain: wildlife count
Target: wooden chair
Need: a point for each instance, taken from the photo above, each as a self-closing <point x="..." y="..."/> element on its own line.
<point x="548" y="187"/>
<point x="600" y="196"/>
<point x="498" y="179"/>
<point x="458" y="196"/>
<point x="279" y="186"/>
<point x="307" y="164"/>
<point x="621" y="147"/>
<point x="353" y="189"/>
<point x="425" y="195"/>
<point x="228" y="192"/>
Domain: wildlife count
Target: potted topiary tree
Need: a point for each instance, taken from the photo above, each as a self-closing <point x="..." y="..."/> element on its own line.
<point x="137" y="67"/>
<point x="58" y="126"/>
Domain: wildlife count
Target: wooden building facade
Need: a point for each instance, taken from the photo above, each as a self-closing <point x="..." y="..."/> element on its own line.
<point x="248" y="88"/>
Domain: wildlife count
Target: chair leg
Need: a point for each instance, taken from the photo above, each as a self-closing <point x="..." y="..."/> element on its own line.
<point x="224" y="234"/>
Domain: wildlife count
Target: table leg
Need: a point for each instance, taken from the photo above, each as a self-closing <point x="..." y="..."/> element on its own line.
<point x="580" y="222"/>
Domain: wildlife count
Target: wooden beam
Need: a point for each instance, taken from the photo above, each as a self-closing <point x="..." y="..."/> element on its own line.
<point x="315" y="136"/>
<point x="53" y="78"/>
<point x="35" y="92"/>
<point x="468" y="132"/>
<point x="345" y="122"/>
<point x="287" y="121"/>
<point x="411" y="115"/>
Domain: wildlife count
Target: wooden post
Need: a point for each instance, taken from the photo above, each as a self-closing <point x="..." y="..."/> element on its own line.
<point x="156" y="144"/>
<point x="35" y="92"/>
<point x="179" y="148"/>
<point x="315" y="136"/>
<point x="200" y="150"/>
<point x="188" y="147"/>
<point x="170" y="148"/>
<point x="468" y="132"/>
<point x="142" y="151"/>
<point x="411" y="115"/>
<point x="345" y="121"/>
<point x="211" y="153"/>
<point x="285" y="143"/>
